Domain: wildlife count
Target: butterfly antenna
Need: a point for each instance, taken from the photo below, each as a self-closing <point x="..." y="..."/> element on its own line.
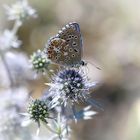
<point x="94" y="65"/>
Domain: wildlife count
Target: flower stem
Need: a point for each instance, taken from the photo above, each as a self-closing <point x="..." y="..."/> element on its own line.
<point x="60" y="138"/>
<point x="16" y="26"/>
<point x="8" y="70"/>
<point x="49" y="128"/>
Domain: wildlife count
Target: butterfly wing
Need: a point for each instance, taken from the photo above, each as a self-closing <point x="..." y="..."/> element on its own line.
<point x="71" y="33"/>
<point x="66" y="46"/>
<point x="57" y="50"/>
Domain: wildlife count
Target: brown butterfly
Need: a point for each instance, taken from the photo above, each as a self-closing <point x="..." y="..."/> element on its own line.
<point x="66" y="47"/>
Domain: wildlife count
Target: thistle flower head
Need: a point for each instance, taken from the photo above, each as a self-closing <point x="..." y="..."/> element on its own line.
<point x="20" y="10"/>
<point x="8" y="39"/>
<point x="38" y="110"/>
<point x="72" y="83"/>
<point x="39" y="61"/>
<point x="70" y="86"/>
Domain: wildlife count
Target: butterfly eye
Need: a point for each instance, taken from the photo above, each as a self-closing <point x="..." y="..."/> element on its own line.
<point x="76" y="50"/>
<point x="51" y="47"/>
<point x="56" y="57"/>
<point x="49" y="56"/>
<point x="76" y="37"/>
<point x="74" y="44"/>
<point x="69" y="36"/>
<point x="73" y="55"/>
<point x="49" y="51"/>
<point x="70" y="49"/>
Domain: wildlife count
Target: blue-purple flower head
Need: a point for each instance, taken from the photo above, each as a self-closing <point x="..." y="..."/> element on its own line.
<point x="70" y="86"/>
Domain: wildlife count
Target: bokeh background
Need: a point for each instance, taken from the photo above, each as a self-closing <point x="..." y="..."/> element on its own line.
<point x="111" y="38"/>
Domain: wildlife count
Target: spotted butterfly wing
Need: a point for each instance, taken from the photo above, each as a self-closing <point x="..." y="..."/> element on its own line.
<point x="66" y="47"/>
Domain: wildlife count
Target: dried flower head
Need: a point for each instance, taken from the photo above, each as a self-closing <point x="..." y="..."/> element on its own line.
<point x="20" y="10"/>
<point x="39" y="61"/>
<point x="8" y="39"/>
<point x="70" y="86"/>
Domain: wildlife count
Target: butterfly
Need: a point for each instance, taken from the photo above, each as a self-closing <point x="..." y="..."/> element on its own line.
<point x="66" y="47"/>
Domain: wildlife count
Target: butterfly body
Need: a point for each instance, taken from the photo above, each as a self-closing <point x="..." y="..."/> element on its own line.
<point x="66" y="47"/>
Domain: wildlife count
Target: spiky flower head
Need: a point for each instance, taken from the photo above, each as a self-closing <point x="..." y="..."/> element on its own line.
<point x="38" y="110"/>
<point x="20" y="10"/>
<point x="70" y="86"/>
<point x="39" y="61"/>
<point x="8" y="39"/>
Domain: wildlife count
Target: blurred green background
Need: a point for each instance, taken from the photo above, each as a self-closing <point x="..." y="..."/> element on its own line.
<point x="111" y="38"/>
